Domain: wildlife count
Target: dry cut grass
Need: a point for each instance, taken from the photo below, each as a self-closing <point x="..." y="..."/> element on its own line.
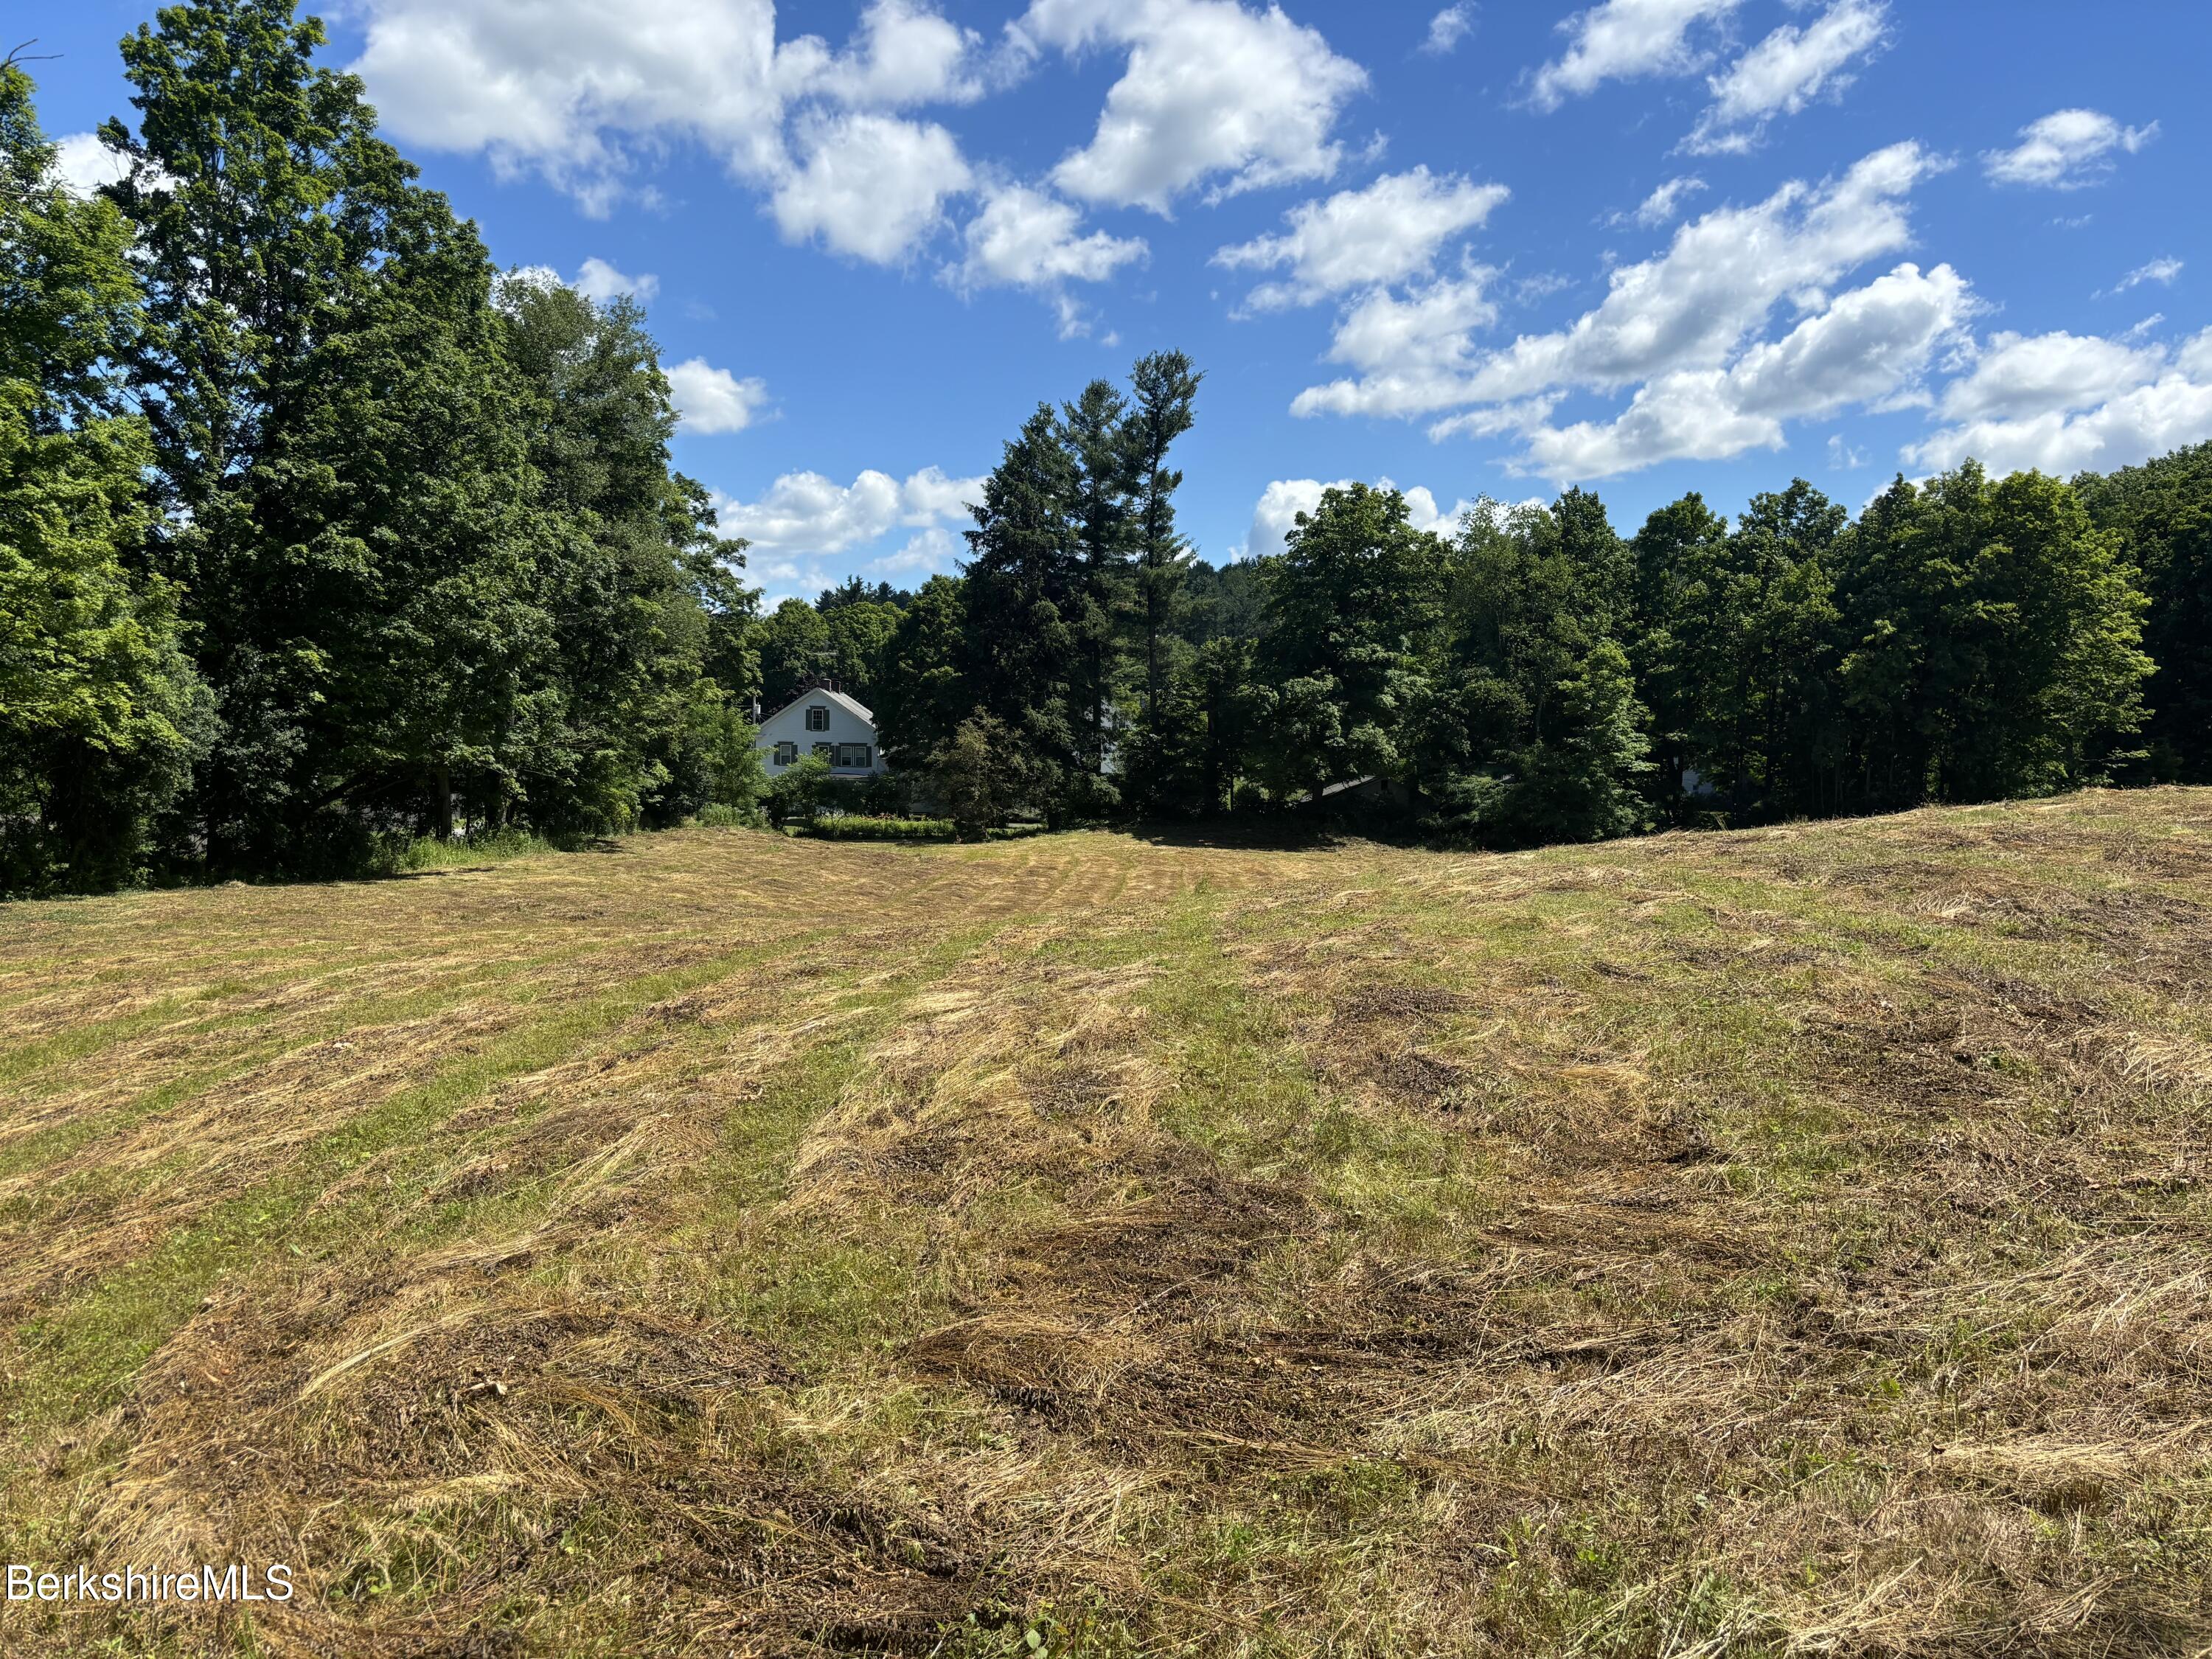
<point x="1793" y="1242"/>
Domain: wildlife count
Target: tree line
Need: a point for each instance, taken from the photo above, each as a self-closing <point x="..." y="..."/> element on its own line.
<point x="315" y="530"/>
<point x="318" y="532"/>
<point x="1532" y="674"/>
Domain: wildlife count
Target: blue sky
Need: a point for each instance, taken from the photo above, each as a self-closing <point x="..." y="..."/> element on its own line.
<point x="1646" y="246"/>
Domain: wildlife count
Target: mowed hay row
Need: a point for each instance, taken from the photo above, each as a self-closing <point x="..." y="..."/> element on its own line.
<point x="1785" y="1241"/>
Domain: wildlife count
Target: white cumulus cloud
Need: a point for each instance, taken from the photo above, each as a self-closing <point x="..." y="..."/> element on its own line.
<point x="931" y="495"/>
<point x="85" y="164"/>
<point x="905" y="55"/>
<point x="1276" y="512"/>
<point x="1695" y="306"/>
<point x="1385" y="233"/>
<point x="587" y="95"/>
<point x="1867" y="346"/>
<point x="576" y="90"/>
<point x="2066" y="149"/>
<point x="1786" y="71"/>
<point x="1029" y="239"/>
<point x="1686" y="333"/>
<point x="599" y="281"/>
<point x="2018" y="374"/>
<point x="2064" y="404"/>
<point x="710" y="399"/>
<point x="1620" y="39"/>
<point x="869" y="186"/>
<point x="805" y="513"/>
<point x="1211" y="90"/>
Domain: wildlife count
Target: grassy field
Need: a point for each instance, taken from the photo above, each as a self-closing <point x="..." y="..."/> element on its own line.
<point x="1789" y="1240"/>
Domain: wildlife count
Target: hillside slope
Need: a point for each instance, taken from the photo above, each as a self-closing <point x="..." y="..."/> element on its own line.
<point x="1784" y="1240"/>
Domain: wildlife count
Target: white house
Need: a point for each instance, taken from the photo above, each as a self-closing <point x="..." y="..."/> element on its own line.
<point x="821" y="721"/>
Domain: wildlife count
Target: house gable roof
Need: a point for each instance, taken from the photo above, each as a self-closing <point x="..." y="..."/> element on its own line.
<point x="850" y="705"/>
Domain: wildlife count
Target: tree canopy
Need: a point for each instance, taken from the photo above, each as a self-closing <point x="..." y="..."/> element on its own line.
<point x="317" y="533"/>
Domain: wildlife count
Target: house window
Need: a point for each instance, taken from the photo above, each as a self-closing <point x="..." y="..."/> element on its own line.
<point x="817" y="717"/>
<point x="786" y="753"/>
<point x="823" y="749"/>
<point x="852" y="754"/>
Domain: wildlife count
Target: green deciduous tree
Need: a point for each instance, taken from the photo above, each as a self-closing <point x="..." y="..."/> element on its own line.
<point x="344" y="490"/>
<point x="1350" y="606"/>
<point x="1993" y="641"/>
<point x="2162" y="511"/>
<point x="801" y="790"/>
<point x="924" y="694"/>
<point x="858" y="635"/>
<point x="793" y="643"/>
<point x="101" y="714"/>
<point x="1675" y="554"/>
<point x="1529" y="727"/>
<point x="631" y="577"/>
<point x="1753" y="633"/>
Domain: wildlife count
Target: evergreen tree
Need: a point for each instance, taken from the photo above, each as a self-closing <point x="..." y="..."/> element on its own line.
<point x="1024" y="582"/>
<point x="1188" y="761"/>
<point x="1098" y="434"/>
<point x="101" y="714"/>
<point x="853" y="590"/>
<point x="1225" y="602"/>
<point x="982" y="773"/>
<point x="1164" y="387"/>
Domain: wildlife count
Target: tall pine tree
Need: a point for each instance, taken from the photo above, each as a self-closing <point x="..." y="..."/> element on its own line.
<point x="1098" y="434"/>
<point x="1025" y="581"/>
<point x="1163" y="389"/>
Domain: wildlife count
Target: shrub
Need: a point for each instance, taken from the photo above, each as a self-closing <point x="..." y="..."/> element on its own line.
<point x="980" y="775"/>
<point x="865" y="829"/>
<point x="716" y="816"/>
<point x="800" y="790"/>
<point x="428" y="853"/>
